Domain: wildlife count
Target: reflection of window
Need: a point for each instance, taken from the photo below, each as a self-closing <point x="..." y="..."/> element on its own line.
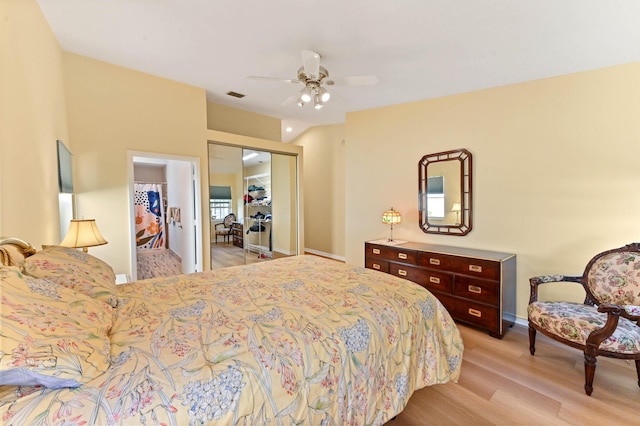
<point x="220" y="208"/>
<point x="65" y="187"/>
<point x="435" y="197"/>
<point x="219" y="201"/>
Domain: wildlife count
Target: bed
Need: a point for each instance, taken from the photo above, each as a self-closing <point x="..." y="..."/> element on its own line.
<point x="299" y="340"/>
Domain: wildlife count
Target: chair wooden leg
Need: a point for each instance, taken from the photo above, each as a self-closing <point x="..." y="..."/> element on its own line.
<point x="532" y="340"/>
<point x="589" y="373"/>
<point x="638" y="370"/>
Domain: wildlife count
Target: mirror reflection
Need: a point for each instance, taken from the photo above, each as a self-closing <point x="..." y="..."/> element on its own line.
<point x="253" y="205"/>
<point x="445" y="192"/>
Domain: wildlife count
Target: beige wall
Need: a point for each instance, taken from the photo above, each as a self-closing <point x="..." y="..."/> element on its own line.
<point x="233" y="120"/>
<point x="32" y="117"/>
<point x="324" y="182"/>
<point x="555" y="168"/>
<point x="113" y="110"/>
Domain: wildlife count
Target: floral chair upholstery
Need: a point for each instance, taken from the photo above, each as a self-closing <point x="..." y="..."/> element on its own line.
<point x="224" y="228"/>
<point x="607" y="323"/>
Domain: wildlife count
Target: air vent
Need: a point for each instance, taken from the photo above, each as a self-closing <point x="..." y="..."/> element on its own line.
<point x="236" y="95"/>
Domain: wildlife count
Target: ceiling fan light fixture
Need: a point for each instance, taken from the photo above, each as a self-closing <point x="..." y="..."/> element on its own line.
<point x="317" y="101"/>
<point x="305" y="95"/>
<point x="324" y="95"/>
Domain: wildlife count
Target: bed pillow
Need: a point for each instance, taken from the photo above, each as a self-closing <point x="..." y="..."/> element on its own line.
<point x="51" y="336"/>
<point x="74" y="269"/>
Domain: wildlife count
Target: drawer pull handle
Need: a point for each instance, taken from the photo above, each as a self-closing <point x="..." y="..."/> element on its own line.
<point x="402" y="255"/>
<point x="376" y="251"/>
<point x="402" y="272"/>
<point x="475" y="312"/>
<point x="434" y="261"/>
<point x="475" y="268"/>
<point x="434" y="280"/>
<point x="376" y="266"/>
<point x="475" y="289"/>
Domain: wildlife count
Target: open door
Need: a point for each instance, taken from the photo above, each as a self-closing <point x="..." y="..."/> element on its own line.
<point x="165" y="216"/>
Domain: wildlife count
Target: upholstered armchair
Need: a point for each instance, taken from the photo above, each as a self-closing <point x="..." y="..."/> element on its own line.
<point x="224" y="228"/>
<point x="606" y="324"/>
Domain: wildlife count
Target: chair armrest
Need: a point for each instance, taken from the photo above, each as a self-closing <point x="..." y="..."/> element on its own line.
<point x="614" y="312"/>
<point x="629" y="312"/>
<point x="534" y="282"/>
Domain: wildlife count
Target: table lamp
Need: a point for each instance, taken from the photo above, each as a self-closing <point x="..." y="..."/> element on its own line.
<point x="391" y="217"/>
<point x="83" y="233"/>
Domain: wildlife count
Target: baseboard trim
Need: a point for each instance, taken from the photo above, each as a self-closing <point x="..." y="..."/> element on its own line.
<point x="285" y="253"/>
<point x="323" y="254"/>
<point x="523" y="322"/>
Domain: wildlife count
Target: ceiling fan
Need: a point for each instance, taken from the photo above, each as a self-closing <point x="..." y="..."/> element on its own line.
<point x="314" y="77"/>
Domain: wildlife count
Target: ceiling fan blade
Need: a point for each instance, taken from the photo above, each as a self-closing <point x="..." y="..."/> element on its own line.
<point x="280" y="80"/>
<point x="291" y="99"/>
<point x="311" y="63"/>
<point x="337" y="97"/>
<point x="357" y="80"/>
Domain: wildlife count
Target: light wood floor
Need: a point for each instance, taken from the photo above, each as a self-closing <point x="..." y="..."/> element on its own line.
<point x="502" y="384"/>
<point x="225" y="254"/>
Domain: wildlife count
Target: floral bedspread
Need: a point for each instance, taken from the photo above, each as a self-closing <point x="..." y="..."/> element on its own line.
<point x="300" y="340"/>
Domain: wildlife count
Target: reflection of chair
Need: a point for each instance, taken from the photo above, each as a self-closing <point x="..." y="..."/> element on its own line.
<point x="225" y="231"/>
<point x="607" y="322"/>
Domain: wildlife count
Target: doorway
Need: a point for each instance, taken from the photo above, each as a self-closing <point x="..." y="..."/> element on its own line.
<point x="165" y="210"/>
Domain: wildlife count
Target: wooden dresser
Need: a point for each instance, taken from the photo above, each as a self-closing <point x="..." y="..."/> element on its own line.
<point x="477" y="287"/>
<point x="237" y="234"/>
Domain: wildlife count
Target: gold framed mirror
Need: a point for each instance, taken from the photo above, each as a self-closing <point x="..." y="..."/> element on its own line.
<point x="445" y="197"/>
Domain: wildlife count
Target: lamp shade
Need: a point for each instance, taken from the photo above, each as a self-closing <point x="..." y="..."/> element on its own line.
<point x="83" y="233"/>
<point x="456" y="207"/>
<point x="391" y="217"/>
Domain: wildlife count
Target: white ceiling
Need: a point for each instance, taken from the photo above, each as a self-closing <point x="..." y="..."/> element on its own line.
<point x="418" y="49"/>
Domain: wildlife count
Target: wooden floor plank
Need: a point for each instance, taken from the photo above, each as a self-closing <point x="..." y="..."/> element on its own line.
<point x="502" y="384"/>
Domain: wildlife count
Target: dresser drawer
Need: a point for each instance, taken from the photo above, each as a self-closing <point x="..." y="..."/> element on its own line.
<point x="478" y="314"/>
<point x="462" y="265"/>
<point x="432" y="280"/>
<point x="390" y="253"/>
<point x="476" y="286"/>
<point x="377" y="264"/>
<point x="436" y="261"/>
<point x="482" y="291"/>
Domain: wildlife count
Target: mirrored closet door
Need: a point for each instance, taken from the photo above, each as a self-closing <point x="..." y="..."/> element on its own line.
<point x="253" y="205"/>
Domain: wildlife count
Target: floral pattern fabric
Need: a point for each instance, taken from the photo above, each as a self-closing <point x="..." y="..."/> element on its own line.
<point x="50" y="335"/>
<point x="300" y="340"/>
<point x="575" y="321"/>
<point x="615" y="278"/>
<point x="74" y="269"/>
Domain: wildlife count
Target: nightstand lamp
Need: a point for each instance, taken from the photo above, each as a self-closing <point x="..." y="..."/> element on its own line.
<point x="391" y="217"/>
<point x="83" y="233"/>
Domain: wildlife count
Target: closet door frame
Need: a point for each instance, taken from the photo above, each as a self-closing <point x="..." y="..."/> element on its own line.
<point x="243" y="142"/>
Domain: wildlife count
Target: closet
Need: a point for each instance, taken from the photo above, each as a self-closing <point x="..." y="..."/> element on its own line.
<point x="263" y="197"/>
